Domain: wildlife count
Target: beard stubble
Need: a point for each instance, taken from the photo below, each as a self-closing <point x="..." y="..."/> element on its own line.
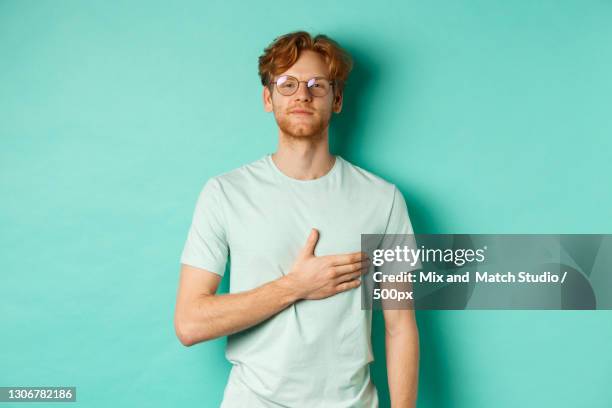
<point x="298" y="130"/>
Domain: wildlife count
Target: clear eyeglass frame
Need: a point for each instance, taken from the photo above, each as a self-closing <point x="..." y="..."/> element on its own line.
<point x="288" y="85"/>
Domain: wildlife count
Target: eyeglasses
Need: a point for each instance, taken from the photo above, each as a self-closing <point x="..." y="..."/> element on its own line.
<point x="317" y="86"/>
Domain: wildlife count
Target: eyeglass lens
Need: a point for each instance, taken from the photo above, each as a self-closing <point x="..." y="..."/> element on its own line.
<point x="288" y="85"/>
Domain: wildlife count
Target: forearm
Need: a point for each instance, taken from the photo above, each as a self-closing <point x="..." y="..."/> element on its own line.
<point x="212" y="316"/>
<point x="403" y="367"/>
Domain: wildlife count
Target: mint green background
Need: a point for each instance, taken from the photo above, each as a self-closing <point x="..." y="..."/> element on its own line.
<point x="491" y="117"/>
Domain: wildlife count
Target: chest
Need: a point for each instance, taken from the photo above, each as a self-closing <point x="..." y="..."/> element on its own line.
<point x="268" y="228"/>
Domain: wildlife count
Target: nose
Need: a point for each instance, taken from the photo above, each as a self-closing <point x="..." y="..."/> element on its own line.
<point x="302" y="93"/>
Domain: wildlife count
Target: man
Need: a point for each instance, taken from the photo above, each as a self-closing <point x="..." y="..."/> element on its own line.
<point x="291" y="223"/>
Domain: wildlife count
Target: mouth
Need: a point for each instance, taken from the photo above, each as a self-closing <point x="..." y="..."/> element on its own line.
<point x="300" y="112"/>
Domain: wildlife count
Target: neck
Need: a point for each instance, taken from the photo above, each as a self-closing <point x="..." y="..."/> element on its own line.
<point x="303" y="158"/>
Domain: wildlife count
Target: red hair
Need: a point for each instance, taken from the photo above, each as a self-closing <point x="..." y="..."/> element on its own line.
<point x="285" y="50"/>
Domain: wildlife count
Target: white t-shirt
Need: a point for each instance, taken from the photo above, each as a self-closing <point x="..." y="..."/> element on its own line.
<point x="315" y="353"/>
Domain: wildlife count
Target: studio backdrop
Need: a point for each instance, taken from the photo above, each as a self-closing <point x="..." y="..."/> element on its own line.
<point x="491" y="117"/>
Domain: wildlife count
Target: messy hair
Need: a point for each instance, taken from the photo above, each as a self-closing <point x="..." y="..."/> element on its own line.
<point x="285" y="50"/>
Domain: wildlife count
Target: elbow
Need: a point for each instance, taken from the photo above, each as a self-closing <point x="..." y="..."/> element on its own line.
<point x="187" y="333"/>
<point x="190" y="331"/>
<point x="400" y="323"/>
<point x="403" y="331"/>
<point x="182" y="333"/>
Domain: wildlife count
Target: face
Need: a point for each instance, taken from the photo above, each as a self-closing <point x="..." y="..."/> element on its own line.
<point x="302" y="115"/>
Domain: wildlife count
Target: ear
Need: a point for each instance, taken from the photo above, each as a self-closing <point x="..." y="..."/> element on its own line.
<point x="337" y="103"/>
<point x="267" y="99"/>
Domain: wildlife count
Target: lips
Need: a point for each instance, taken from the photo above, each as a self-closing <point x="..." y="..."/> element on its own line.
<point x="301" y="112"/>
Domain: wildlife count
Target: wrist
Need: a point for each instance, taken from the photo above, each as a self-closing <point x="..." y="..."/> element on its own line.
<point x="290" y="289"/>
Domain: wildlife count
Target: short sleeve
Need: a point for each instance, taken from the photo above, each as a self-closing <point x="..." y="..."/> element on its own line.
<point x="399" y="223"/>
<point x="206" y="246"/>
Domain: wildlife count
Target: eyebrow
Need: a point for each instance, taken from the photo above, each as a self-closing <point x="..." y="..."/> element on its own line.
<point x="308" y="76"/>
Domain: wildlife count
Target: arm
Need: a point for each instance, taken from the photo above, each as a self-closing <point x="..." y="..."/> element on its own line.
<point x="401" y="332"/>
<point x="402" y="349"/>
<point x="202" y="315"/>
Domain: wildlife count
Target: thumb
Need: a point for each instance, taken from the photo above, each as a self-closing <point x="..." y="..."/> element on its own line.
<point x="311" y="242"/>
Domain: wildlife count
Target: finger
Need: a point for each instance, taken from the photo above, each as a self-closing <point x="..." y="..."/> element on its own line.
<point x="349" y="277"/>
<point x="311" y="243"/>
<point x="353" y="267"/>
<point x="344" y="259"/>
<point x="348" y="285"/>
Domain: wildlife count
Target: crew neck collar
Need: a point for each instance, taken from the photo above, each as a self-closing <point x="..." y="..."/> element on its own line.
<point x="327" y="175"/>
